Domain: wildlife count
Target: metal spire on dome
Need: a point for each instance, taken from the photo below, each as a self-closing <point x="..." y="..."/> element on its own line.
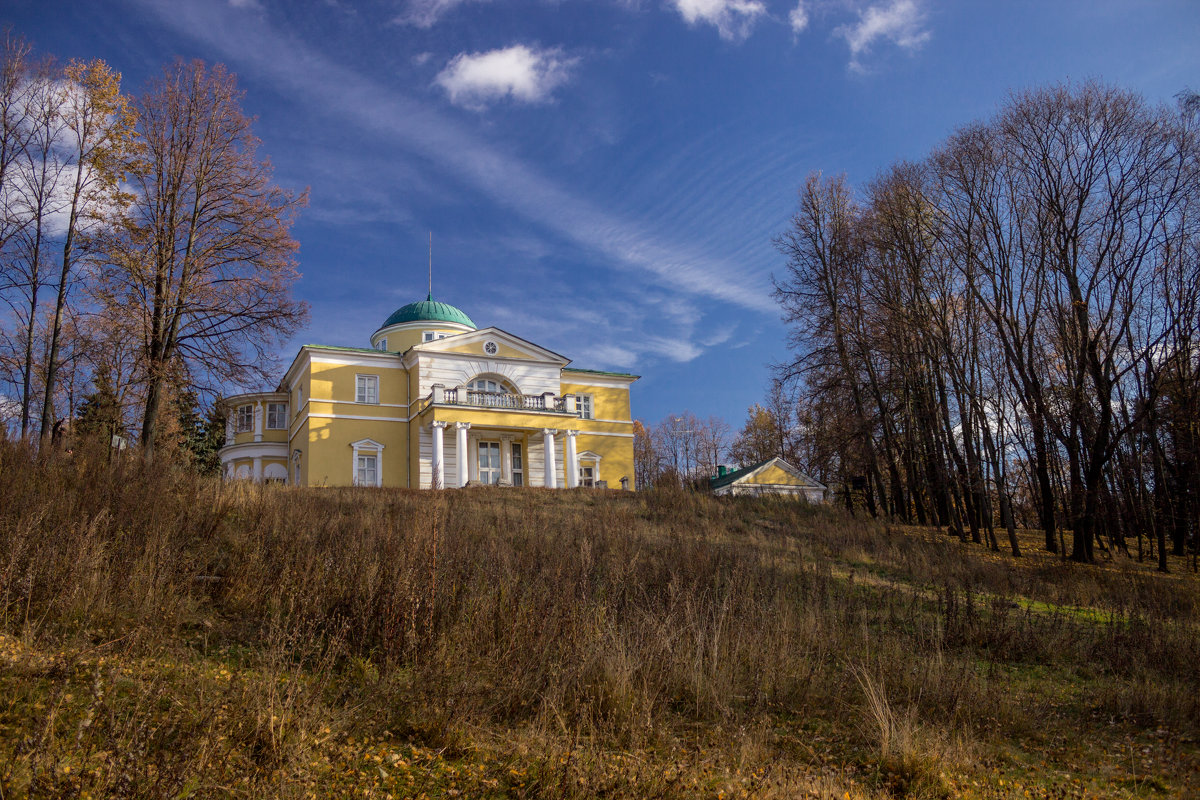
<point x="430" y="297"/>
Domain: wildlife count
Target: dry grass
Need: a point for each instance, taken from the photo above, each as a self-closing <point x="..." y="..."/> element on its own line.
<point x="163" y="635"/>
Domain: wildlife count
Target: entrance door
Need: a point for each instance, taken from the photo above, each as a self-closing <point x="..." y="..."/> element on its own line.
<point x="489" y="463"/>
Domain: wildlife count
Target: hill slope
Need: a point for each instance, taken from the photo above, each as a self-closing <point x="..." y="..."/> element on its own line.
<point x="163" y="635"/>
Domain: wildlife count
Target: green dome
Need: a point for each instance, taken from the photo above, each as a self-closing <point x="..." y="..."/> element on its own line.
<point x="428" y="310"/>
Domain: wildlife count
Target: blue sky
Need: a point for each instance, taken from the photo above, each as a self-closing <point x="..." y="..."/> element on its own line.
<point x="603" y="177"/>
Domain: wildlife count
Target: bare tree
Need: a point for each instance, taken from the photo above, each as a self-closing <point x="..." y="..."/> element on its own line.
<point x="1012" y="322"/>
<point x="206" y="261"/>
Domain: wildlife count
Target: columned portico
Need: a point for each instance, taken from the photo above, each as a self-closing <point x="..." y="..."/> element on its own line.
<point x="569" y="455"/>
<point x="439" y="469"/>
<point x="551" y="478"/>
<point x="462" y="459"/>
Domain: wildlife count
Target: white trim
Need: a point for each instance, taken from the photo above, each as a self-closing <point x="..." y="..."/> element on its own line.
<point x="376" y="359"/>
<point x="614" y="421"/>
<point x="582" y="431"/>
<point x="286" y="416"/>
<point x="366" y="447"/>
<point x="320" y="415"/>
<point x="254" y="449"/>
<point x="591" y="405"/>
<point x="606" y="381"/>
<point x="353" y="403"/>
<point x="535" y="352"/>
<point x="457" y="328"/>
<point x="606" y="433"/>
<point x="359" y="375"/>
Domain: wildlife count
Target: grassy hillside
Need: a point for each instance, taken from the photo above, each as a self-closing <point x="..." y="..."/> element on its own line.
<point x="168" y="636"/>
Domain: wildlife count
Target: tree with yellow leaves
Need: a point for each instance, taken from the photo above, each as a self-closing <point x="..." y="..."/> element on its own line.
<point x="97" y="134"/>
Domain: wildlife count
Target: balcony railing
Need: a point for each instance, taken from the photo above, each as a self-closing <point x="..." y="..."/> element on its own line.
<point x="461" y="396"/>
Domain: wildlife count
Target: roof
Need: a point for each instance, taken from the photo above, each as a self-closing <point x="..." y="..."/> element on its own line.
<point x="428" y="310"/>
<point x="600" y="372"/>
<point x="347" y="349"/>
<point x="735" y="476"/>
<point x="730" y="477"/>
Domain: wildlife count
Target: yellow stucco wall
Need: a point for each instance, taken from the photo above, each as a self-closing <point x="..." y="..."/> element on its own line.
<point x="399" y="341"/>
<point x="616" y="457"/>
<point x="502" y="350"/>
<point x="338" y="382"/>
<point x="607" y="402"/>
<point x="775" y="476"/>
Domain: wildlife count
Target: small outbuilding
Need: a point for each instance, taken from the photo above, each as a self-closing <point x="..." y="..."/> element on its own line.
<point x="774" y="476"/>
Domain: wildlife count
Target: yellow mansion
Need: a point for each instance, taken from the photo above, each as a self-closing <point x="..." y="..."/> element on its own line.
<point x="438" y="403"/>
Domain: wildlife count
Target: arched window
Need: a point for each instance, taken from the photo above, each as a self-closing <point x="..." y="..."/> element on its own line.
<point x="493" y="391"/>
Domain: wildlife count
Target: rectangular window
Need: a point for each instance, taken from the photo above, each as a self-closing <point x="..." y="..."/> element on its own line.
<point x="245" y="419"/>
<point x="368" y="471"/>
<point x="489" y="463"/>
<point x="518" y="466"/>
<point x="381" y="344"/>
<point x="587" y="476"/>
<point x="276" y="416"/>
<point x="427" y="336"/>
<point x="366" y="389"/>
<point x="583" y="404"/>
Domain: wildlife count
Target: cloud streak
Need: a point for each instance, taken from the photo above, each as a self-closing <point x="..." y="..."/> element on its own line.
<point x="290" y="65"/>
<point x="425" y="14"/>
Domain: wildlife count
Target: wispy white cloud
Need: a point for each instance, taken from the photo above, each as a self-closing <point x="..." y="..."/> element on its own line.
<point x="529" y="75"/>
<point x="426" y="13"/>
<point x="798" y="18"/>
<point x="733" y="19"/>
<point x="651" y="261"/>
<point x="901" y="22"/>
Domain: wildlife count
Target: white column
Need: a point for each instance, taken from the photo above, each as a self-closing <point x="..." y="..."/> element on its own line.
<point x="439" y="470"/>
<point x="258" y="469"/>
<point x="229" y="427"/>
<point x="550" y="480"/>
<point x="258" y="421"/>
<point x="460" y="444"/>
<point x="572" y="465"/>
<point x="506" y="460"/>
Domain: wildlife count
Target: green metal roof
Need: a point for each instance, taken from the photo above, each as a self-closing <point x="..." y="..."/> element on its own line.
<point x="730" y="477"/>
<point x="600" y="372"/>
<point x="428" y="310"/>
<point x="349" y="349"/>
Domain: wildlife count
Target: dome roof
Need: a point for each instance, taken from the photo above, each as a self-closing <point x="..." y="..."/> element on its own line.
<point x="428" y="310"/>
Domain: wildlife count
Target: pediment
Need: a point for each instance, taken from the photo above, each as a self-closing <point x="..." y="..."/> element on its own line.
<point x="366" y="444"/>
<point x="507" y="346"/>
<point x="778" y="472"/>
